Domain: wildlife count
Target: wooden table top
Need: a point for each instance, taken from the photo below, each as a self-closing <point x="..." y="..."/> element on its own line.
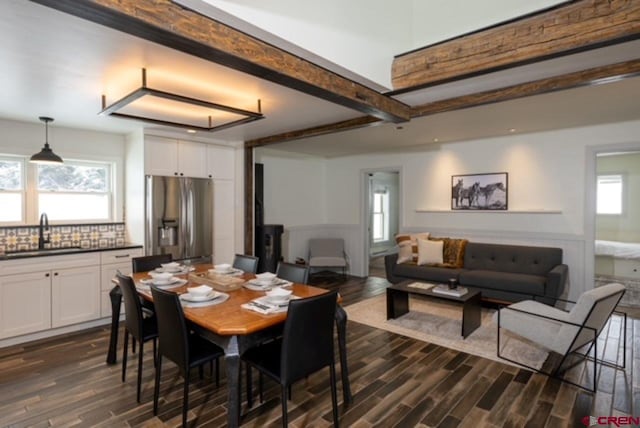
<point x="228" y="318"/>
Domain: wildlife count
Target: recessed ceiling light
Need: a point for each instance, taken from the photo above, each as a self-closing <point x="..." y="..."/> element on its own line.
<point x="512" y="129"/>
<point x="435" y="140"/>
<point x="191" y="131"/>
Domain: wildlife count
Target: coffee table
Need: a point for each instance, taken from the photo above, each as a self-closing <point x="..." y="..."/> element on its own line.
<point x="398" y="303"/>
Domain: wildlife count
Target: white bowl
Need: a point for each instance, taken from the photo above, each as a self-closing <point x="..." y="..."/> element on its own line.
<point x="278" y="294"/>
<point x="222" y="267"/>
<point x="171" y="266"/>
<point x="266" y="277"/>
<point x="200" y="291"/>
<point x="161" y="276"/>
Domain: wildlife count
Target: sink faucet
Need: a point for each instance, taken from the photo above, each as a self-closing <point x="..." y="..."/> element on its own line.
<point x="42" y="228"/>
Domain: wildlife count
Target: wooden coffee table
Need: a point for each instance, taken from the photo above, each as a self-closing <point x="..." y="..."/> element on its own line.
<point x="398" y="303"/>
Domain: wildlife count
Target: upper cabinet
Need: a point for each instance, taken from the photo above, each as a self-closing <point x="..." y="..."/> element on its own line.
<point x="220" y="162"/>
<point x="164" y="156"/>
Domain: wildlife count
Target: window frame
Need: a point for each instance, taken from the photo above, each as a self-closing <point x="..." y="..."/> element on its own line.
<point x="623" y="184"/>
<point x="384" y="213"/>
<point x="80" y="162"/>
<point x="23" y="191"/>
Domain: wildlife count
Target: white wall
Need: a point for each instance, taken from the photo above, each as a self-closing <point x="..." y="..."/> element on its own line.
<point x="25" y="139"/>
<point x="547" y="171"/>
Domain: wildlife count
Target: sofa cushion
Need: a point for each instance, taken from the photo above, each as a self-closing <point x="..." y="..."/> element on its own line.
<point x="511" y="258"/>
<point x="512" y="282"/>
<point x="426" y="273"/>
<point x="429" y="252"/>
<point x="408" y="246"/>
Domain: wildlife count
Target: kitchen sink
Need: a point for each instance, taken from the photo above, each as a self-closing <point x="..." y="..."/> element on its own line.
<point x="43" y="252"/>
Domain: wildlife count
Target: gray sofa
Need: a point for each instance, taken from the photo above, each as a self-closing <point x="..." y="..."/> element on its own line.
<point x="501" y="272"/>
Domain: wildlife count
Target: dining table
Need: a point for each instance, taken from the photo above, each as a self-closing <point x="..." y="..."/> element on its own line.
<point x="234" y="328"/>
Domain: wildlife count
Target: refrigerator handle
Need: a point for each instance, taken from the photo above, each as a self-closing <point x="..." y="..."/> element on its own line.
<point x="190" y="218"/>
<point x="184" y="224"/>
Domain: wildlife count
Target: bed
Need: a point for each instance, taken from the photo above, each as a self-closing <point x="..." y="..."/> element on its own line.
<point x="617" y="259"/>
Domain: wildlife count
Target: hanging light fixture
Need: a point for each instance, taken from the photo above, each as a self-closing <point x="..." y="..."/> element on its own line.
<point x="46" y="155"/>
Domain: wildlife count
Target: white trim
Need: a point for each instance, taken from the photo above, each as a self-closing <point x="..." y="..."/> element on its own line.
<point x="53" y="332"/>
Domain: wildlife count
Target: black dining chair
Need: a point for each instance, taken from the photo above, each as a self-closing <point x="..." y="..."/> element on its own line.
<point x="292" y="272"/>
<point x="147" y="263"/>
<point x="248" y="264"/>
<point x="306" y="346"/>
<point x="142" y="328"/>
<point x="186" y="349"/>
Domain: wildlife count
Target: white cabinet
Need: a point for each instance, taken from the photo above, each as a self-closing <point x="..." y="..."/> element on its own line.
<point x="25" y="303"/>
<point x="164" y="156"/>
<point x="223" y="221"/>
<point x="75" y="295"/>
<point x="220" y="162"/>
<point x="111" y="263"/>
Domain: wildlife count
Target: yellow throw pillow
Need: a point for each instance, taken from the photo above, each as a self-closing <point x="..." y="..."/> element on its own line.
<point x="429" y="252"/>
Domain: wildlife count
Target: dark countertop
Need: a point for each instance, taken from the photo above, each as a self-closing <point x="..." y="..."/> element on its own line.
<point x="63" y="251"/>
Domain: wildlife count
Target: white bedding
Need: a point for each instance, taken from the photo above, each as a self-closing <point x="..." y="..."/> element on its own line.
<point x="620" y="250"/>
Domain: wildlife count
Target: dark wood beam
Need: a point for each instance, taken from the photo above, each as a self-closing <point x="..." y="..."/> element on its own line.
<point x="248" y="201"/>
<point x="345" y="125"/>
<point x="593" y="76"/>
<point x="578" y="26"/>
<point x="171" y="25"/>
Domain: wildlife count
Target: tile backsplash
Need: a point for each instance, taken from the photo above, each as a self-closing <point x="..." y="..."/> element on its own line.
<point x="25" y="238"/>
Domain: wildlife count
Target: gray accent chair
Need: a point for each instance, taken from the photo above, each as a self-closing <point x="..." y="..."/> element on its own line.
<point x="571" y="334"/>
<point x="327" y="253"/>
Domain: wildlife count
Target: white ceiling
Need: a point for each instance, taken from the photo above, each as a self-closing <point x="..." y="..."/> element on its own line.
<point x="57" y="65"/>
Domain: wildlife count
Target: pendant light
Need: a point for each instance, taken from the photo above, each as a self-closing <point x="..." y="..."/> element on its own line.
<point x="46" y="155"/>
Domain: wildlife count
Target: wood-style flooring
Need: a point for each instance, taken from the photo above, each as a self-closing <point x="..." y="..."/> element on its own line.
<point x="396" y="381"/>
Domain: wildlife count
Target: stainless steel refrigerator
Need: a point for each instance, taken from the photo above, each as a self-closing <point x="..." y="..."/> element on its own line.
<point x="179" y="217"/>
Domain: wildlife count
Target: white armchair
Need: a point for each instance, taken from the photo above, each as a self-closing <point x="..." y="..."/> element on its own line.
<point x="565" y="333"/>
<point x="327" y="253"/>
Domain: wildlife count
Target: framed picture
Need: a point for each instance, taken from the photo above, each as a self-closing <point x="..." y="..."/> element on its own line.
<point x="480" y="192"/>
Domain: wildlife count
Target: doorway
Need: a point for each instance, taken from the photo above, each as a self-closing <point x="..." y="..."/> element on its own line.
<point x="383" y="208"/>
<point x="617" y="222"/>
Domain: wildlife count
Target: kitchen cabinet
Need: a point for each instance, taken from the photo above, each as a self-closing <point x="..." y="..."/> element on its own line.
<point x="25" y="303"/>
<point x="168" y="157"/>
<point x="220" y="162"/>
<point x="75" y="295"/>
<point x="112" y="262"/>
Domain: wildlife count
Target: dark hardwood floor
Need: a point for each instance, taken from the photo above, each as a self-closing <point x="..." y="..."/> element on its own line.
<point x="396" y="381"/>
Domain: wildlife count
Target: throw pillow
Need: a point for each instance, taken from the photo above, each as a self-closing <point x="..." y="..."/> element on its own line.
<point x="429" y="252"/>
<point x="454" y="252"/>
<point x="408" y="246"/>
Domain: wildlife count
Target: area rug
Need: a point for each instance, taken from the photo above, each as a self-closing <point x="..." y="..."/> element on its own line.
<point x="440" y="323"/>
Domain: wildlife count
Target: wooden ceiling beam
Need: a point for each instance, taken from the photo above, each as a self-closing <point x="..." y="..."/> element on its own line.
<point x="578" y="26"/>
<point x="345" y="125"/>
<point x="593" y="76"/>
<point x="171" y="25"/>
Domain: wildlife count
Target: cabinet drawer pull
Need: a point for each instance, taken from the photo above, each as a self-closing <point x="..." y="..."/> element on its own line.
<point x="47" y="275"/>
<point x="55" y="274"/>
<point x="123" y="256"/>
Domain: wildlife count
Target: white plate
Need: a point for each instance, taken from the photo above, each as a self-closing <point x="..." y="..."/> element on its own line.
<point x="191" y="298"/>
<point x="171" y="269"/>
<point x="262" y="286"/>
<point x="172" y="282"/>
<point x="147" y="282"/>
<point x="278" y="300"/>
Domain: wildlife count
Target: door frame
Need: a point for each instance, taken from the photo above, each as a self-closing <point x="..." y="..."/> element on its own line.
<point x="590" y="203"/>
<point x="365" y="218"/>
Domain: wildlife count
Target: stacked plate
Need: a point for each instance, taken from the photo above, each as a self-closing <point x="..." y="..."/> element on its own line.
<point x="225" y="269"/>
<point x="171" y="282"/>
<point x="202" y="296"/>
<point x="174" y="267"/>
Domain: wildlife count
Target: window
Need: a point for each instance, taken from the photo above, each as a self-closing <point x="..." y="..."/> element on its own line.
<point x="609" y="194"/>
<point x="75" y="191"/>
<point x="12" y="190"/>
<point x="380" y="216"/>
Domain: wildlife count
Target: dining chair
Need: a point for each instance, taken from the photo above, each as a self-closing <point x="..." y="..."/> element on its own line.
<point x="306" y="346"/>
<point x="186" y="349"/>
<point x="566" y="333"/>
<point x="147" y="263"/>
<point x="142" y="328"/>
<point x="248" y="264"/>
<point x="292" y="272"/>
